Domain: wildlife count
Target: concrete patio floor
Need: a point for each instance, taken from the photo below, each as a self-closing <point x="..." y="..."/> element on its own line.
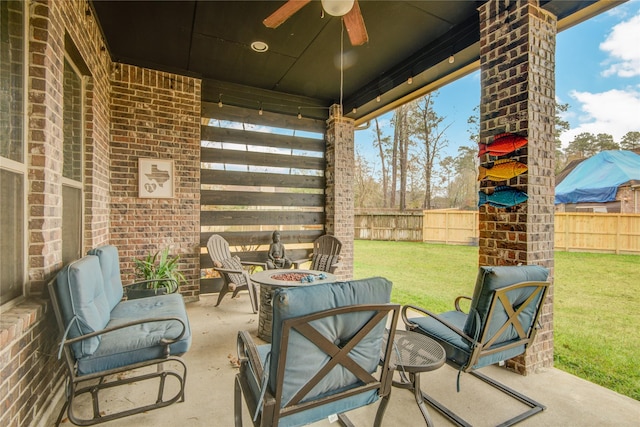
<point x="570" y="401"/>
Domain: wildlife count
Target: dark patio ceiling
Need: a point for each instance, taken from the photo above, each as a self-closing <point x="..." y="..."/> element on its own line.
<point x="212" y="40"/>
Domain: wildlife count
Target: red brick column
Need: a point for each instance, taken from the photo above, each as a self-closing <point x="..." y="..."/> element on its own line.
<point x="517" y="50"/>
<point x="339" y="191"/>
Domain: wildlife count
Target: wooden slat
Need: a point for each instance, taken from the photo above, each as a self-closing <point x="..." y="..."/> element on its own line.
<point x="210" y="176"/>
<point x="238" y="238"/>
<point x="215" y="155"/>
<point x="262" y="139"/>
<point x="255" y="256"/>
<point x="245" y="115"/>
<point x="253" y="217"/>
<point x="274" y="102"/>
<point x="255" y="198"/>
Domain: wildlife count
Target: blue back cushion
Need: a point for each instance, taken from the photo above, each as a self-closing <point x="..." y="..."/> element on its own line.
<point x="492" y="278"/>
<point x="81" y="293"/>
<point x="110" y="266"/>
<point x="303" y="357"/>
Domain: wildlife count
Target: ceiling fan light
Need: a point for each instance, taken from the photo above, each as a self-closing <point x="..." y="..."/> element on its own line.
<point x="337" y="7"/>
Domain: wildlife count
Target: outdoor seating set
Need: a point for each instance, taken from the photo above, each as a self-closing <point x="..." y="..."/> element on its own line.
<point x="334" y="347"/>
<point x="325" y="256"/>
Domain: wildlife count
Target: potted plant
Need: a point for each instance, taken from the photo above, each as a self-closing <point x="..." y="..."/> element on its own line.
<point x="160" y="275"/>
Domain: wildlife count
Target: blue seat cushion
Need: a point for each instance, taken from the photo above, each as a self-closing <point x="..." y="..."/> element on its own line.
<point x="304" y="358"/>
<point x="141" y="342"/>
<point x="110" y="267"/>
<point x="488" y="281"/>
<point x="83" y="302"/>
<point x="313" y="415"/>
<point x="457" y="348"/>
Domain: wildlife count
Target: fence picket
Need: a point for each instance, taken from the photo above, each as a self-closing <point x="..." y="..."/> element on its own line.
<point x="580" y="232"/>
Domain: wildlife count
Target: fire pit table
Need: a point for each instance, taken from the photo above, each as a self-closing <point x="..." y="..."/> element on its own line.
<point x="270" y="280"/>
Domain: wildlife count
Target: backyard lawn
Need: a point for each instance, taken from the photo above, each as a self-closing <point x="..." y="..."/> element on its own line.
<point x="596" y="299"/>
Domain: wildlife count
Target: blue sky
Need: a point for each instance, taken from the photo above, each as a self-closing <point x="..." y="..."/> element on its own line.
<point x="597" y="74"/>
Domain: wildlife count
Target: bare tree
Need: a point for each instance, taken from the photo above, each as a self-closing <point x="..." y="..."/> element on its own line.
<point x="381" y="142"/>
<point x="426" y="127"/>
<point x="401" y="143"/>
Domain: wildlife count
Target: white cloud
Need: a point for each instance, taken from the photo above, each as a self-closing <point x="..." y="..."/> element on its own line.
<point x="622" y="46"/>
<point x="615" y="112"/>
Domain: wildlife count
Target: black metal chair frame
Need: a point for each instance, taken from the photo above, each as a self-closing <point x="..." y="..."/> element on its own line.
<point x="272" y="410"/>
<point x="78" y="385"/>
<point x="483" y="345"/>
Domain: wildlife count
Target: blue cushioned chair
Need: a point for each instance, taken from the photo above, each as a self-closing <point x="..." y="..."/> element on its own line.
<point x="327" y="345"/>
<point x="501" y="324"/>
<point x="103" y="337"/>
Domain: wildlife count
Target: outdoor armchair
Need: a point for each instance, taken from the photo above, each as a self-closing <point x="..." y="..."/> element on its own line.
<point x="325" y="255"/>
<point x="234" y="276"/>
<point x="327" y="344"/>
<point x="501" y="324"/>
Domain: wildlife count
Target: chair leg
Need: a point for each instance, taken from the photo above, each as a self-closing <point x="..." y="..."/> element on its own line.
<point x="535" y="406"/>
<point x="221" y="294"/>
<point x="382" y="407"/>
<point x="344" y="421"/>
<point x="253" y="296"/>
<point x="237" y="403"/>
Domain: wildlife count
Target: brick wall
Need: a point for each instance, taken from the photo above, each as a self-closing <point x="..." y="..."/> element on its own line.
<point x="339" y="189"/>
<point x="517" y="51"/>
<point x="160" y="120"/>
<point x="156" y="115"/>
<point x="31" y="377"/>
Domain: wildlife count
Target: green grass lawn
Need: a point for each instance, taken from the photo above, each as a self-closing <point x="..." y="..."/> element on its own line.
<point x="596" y="300"/>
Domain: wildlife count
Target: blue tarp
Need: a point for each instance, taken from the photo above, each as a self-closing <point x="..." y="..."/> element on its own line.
<point x="597" y="179"/>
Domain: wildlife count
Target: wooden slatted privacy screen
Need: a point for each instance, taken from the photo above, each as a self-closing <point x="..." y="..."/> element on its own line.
<point x="259" y="173"/>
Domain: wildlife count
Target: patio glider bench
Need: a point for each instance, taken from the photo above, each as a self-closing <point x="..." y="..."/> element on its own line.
<point x="107" y="342"/>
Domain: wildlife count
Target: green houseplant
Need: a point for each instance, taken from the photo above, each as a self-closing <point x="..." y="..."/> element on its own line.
<point x="160" y="275"/>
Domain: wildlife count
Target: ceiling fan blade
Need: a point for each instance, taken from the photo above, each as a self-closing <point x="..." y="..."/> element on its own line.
<point x="284" y="12"/>
<point x="354" y="22"/>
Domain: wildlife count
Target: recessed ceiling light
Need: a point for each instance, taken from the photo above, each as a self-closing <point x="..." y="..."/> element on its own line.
<point x="260" y="46"/>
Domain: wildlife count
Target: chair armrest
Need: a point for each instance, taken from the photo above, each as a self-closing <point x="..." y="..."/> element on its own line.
<point x="296" y="263"/>
<point x="410" y="326"/>
<point x="142" y="282"/>
<point x="254" y="264"/>
<point x="227" y="270"/>
<point x="457" y="302"/>
<point x="248" y="354"/>
<point x="165" y="341"/>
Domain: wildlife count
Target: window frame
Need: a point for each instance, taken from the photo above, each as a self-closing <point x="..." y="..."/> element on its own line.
<point x="69" y="182"/>
<point x="21" y="167"/>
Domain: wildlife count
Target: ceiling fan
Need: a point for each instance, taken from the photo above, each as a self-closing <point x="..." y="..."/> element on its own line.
<point x="348" y="9"/>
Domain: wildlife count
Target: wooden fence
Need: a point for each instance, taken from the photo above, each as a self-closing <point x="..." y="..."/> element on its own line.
<point x="578" y="232"/>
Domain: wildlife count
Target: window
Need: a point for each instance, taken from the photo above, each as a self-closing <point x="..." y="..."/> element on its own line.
<point x="73" y="131"/>
<point x="12" y="166"/>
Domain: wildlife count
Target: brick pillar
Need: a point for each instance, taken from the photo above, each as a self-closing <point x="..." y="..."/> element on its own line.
<point x="517" y="51"/>
<point x="339" y="174"/>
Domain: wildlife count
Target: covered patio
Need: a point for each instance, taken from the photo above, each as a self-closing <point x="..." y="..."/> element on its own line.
<point x="96" y="88"/>
<point x="570" y="401"/>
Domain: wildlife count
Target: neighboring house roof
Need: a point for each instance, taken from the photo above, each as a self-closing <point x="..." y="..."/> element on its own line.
<point x="597" y="178"/>
<point x="568" y="169"/>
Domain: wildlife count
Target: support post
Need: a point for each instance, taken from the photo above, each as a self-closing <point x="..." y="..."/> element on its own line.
<point x="517" y="51"/>
<point x="339" y="190"/>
